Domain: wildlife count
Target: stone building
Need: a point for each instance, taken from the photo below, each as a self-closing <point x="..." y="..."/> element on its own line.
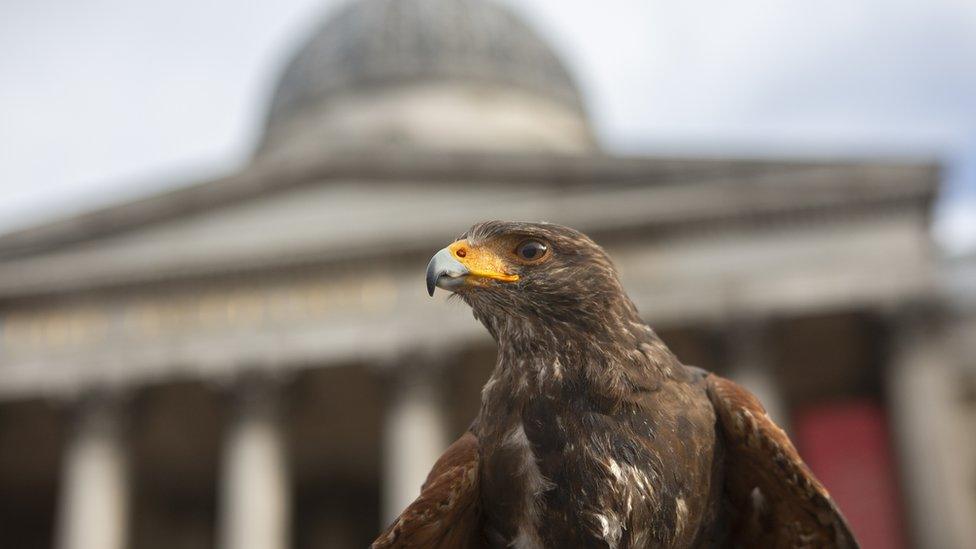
<point x="253" y="362"/>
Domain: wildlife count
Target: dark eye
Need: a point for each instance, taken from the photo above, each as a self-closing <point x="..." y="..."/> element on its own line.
<point x="531" y="250"/>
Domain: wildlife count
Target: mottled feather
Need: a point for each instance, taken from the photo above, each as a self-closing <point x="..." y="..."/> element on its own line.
<point x="775" y="500"/>
<point x="592" y="434"/>
<point x="445" y="515"/>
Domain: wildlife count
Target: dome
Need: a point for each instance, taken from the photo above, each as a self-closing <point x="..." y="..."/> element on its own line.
<point x="427" y="73"/>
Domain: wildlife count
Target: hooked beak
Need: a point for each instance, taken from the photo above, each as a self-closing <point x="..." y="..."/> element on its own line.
<point x="461" y="264"/>
<point x="445" y="272"/>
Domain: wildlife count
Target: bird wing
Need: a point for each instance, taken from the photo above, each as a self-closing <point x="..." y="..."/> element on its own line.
<point x="445" y="514"/>
<point x="774" y="498"/>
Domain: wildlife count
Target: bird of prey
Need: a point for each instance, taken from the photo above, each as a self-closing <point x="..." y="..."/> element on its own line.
<point x="591" y="433"/>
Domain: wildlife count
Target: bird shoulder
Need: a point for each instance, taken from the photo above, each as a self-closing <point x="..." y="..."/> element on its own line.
<point x="445" y="514"/>
<point x="776" y="501"/>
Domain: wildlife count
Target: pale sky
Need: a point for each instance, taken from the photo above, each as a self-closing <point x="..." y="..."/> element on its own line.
<point x="103" y="100"/>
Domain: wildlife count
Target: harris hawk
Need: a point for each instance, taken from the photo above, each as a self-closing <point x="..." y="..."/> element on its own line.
<point x="591" y="433"/>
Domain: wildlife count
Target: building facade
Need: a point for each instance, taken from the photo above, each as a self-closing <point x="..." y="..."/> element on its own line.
<point x="253" y="361"/>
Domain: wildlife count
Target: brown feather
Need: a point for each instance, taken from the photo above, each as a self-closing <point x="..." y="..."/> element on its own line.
<point x="445" y="515"/>
<point x="791" y="507"/>
<point x="592" y="434"/>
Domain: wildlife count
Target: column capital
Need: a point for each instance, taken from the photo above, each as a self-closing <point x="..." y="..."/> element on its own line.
<point x="425" y="367"/>
<point x="100" y="410"/>
<point x="919" y="317"/>
<point x="745" y="339"/>
<point x="255" y="393"/>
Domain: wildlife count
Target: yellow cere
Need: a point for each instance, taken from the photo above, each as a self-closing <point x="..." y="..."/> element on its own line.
<point x="482" y="262"/>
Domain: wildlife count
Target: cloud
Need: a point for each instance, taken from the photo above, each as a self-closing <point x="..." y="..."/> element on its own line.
<point x="98" y="98"/>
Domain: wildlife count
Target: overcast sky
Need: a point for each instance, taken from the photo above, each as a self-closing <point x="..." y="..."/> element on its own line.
<point x="101" y="100"/>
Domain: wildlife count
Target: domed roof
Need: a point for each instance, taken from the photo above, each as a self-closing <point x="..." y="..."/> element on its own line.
<point x="376" y="44"/>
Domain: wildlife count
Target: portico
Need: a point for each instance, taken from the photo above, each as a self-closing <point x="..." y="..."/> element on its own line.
<point x="253" y="362"/>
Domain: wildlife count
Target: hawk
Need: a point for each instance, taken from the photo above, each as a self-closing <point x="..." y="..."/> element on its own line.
<point x="591" y="433"/>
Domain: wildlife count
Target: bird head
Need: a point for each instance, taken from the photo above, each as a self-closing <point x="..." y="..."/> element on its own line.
<point x="529" y="271"/>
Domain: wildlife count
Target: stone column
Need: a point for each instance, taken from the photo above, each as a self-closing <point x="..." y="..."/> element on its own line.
<point x="94" y="501"/>
<point x="414" y="435"/>
<point x="931" y="442"/>
<point x="751" y="367"/>
<point x="254" y="490"/>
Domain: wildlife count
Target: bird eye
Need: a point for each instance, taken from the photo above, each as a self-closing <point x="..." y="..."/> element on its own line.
<point x="531" y="250"/>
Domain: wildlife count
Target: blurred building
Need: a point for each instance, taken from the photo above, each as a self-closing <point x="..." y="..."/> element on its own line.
<point x="253" y="362"/>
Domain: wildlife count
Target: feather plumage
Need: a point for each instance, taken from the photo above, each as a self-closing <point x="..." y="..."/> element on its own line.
<point x="591" y="432"/>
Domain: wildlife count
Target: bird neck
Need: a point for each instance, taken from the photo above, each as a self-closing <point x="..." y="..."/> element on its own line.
<point x="612" y="353"/>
